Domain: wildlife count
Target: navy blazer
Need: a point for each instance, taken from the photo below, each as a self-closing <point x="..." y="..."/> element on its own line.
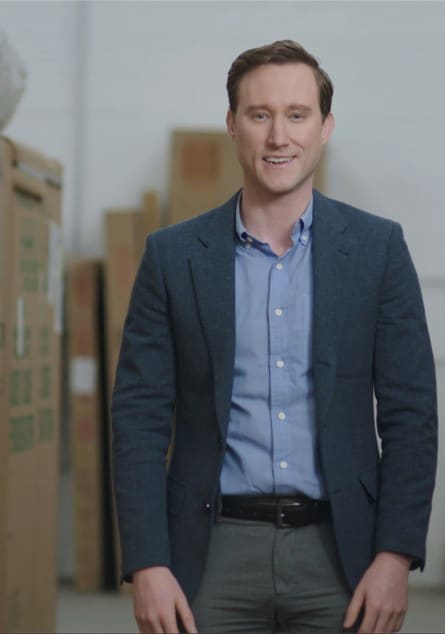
<point x="370" y="339"/>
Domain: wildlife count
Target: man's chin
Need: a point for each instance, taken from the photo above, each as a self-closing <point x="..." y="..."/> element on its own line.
<point x="282" y="189"/>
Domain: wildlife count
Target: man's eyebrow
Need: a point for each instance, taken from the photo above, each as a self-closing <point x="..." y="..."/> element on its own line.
<point x="299" y="106"/>
<point x="257" y="107"/>
<point x="292" y="106"/>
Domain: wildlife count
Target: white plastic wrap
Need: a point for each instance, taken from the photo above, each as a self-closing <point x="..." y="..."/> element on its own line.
<point x="12" y="79"/>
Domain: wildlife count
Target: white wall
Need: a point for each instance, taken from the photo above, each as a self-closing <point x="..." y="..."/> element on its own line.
<point x="108" y="81"/>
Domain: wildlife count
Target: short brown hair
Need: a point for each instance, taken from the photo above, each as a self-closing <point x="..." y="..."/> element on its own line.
<point x="280" y="52"/>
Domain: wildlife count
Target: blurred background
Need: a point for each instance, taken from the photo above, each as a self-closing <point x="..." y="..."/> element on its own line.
<point x="119" y="130"/>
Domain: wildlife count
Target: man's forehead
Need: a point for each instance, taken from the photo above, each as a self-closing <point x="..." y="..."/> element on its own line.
<point x="293" y="83"/>
<point x="295" y="75"/>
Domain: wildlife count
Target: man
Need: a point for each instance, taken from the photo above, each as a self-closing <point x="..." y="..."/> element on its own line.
<point x="268" y="325"/>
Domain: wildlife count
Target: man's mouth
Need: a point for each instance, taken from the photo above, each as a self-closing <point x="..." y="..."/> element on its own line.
<point x="278" y="160"/>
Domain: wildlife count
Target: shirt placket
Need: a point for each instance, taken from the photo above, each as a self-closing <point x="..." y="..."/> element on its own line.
<point x="278" y="372"/>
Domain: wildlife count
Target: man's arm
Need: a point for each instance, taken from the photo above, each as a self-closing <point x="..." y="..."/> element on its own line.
<point x="142" y="410"/>
<point x="404" y="380"/>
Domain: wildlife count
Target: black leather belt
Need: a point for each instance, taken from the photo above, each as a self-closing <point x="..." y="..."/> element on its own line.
<point x="284" y="512"/>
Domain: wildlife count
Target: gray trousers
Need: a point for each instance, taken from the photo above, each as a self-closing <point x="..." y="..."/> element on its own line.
<point x="264" y="579"/>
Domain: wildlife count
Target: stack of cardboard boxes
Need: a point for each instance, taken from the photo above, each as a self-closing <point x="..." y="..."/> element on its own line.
<point x="30" y="327"/>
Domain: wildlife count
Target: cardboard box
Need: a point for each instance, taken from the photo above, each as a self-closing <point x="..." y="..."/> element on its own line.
<point x="125" y="234"/>
<point x="31" y="299"/>
<point x="205" y="172"/>
<point x="5" y="276"/>
<point x="86" y="418"/>
<point x="49" y="398"/>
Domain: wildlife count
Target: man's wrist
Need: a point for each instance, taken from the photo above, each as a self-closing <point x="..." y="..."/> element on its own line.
<point x="404" y="559"/>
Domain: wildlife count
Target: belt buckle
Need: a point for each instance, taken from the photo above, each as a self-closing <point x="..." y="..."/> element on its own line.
<point x="279" y="520"/>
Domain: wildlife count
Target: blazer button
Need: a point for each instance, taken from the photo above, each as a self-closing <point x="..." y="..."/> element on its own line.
<point x="207" y="507"/>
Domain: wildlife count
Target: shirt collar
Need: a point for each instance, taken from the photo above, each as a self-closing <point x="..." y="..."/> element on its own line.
<point x="299" y="231"/>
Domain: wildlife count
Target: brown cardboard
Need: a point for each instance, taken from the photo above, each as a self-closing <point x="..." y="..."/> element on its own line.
<point x="86" y="421"/>
<point x="30" y="388"/>
<point x="49" y="389"/>
<point x="5" y="276"/>
<point x="204" y="172"/>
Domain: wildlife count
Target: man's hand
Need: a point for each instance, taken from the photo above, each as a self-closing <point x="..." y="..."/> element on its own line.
<point x="158" y="600"/>
<point x="382" y="594"/>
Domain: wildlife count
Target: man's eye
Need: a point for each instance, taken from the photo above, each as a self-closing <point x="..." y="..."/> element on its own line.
<point x="295" y="116"/>
<point x="259" y="116"/>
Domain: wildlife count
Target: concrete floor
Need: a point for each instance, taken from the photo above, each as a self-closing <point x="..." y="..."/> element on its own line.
<point x="112" y="612"/>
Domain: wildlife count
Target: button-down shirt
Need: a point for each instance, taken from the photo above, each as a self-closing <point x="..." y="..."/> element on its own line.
<point x="272" y="441"/>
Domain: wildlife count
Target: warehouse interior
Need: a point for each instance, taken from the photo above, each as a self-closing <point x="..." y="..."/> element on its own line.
<point x="123" y="105"/>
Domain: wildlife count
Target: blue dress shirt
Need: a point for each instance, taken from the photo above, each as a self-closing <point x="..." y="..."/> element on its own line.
<point x="272" y="439"/>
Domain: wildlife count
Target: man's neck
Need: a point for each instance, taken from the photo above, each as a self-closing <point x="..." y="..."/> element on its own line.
<point x="271" y="219"/>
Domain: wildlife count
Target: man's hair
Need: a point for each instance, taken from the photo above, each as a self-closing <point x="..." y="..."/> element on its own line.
<point x="280" y="52"/>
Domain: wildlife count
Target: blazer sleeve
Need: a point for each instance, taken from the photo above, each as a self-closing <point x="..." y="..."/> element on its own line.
<point x="405" y="389"/>
<point x="142" y="409"/>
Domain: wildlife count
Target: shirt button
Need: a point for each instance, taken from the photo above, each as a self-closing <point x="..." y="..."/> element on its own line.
<point x="278" y="312"/>
<point x="283" y="464"/>
<point x="279" y="266"/>
<point x="280" y="364"/>
<point x="282" y="416"/>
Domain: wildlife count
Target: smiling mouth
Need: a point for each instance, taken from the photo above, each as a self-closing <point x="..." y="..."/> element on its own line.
<point x="278" y="160"/>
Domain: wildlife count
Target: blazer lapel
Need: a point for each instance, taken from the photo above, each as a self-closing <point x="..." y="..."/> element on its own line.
<point x="213" y="273"/>
<point x="332" y="250"/>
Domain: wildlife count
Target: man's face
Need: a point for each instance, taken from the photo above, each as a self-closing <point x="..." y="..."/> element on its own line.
<point x="278" y="128"/>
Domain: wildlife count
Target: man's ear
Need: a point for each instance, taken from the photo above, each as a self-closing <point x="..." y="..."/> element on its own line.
<point x="230" y="123"/>
<point x="327" y="127"/>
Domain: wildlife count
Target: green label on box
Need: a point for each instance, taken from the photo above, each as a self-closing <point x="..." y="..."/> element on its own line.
<point x="46" y="425"/>
<point x="21" y="433"/>
<point x="30" y="283"/>
<point x="21" y="387"/>
<point x="45" y="381"/>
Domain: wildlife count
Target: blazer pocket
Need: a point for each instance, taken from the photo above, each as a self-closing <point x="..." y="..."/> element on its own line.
<point x="175" y="495"/>
<point x="369" y="479"/>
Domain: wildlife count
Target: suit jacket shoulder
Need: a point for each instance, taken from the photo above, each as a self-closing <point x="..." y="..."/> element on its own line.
<point x="358" y="218"/>
<point x="212" y="224"/>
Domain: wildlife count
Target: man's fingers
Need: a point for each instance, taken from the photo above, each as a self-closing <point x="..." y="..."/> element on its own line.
<point x="353" y="609"/>
<point x="170" y="625"/>
<point x="149" y="627"/>
<point x="383" y="624"/>
<point x="186" y="614"/>
<point x="369" y="621"/>
<point x="399" y="622"/>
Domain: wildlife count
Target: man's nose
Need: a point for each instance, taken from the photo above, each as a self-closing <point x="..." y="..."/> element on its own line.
<point x="278" y="132"/>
